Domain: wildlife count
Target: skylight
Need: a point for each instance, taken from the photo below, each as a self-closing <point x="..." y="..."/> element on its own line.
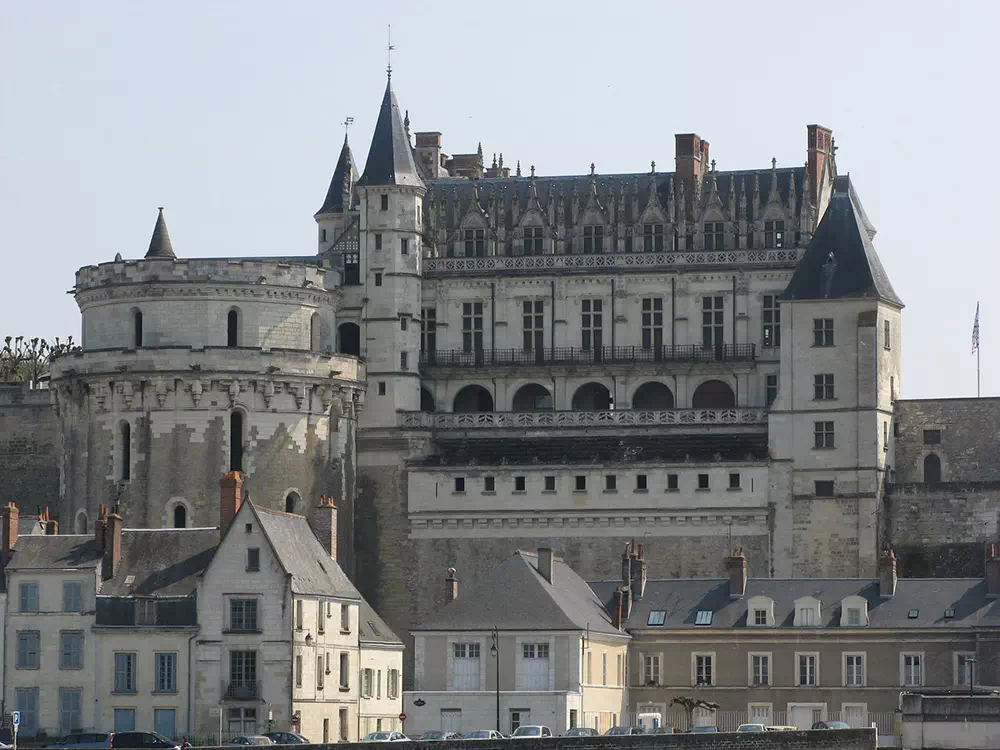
<point x="913" y="614"/>
<point x="949" y="613"/>
<point x="704" y="617"/>
<point x="656" y="617"/>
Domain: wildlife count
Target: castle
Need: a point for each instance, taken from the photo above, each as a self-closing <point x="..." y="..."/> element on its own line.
<point x="476" y="361"/>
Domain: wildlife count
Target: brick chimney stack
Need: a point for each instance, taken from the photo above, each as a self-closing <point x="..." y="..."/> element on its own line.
<point x="49" y="526"/>
<point x="231" y="497"/>
<point x="820" y="148"/>
<point x="887" y="574"/>
<point x="451" y="584"/>
<point x="113" y="544"/>
<point x="992" y="571"/>
<point x="618" y="608"/>
<point x="736" y="567"/>
<point x="11" y="516"/>
<point x="545" y="563"/>
<point x="100" y="527"/>
<point x="324" y="524"/>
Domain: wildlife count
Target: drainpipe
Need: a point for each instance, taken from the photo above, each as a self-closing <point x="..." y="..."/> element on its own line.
<point x="673" y="317"/>
<point x="190" y="730"/>
<point x="493" y="331"/>
<point x="552" y="319"/>
<point x="612" y="317"/>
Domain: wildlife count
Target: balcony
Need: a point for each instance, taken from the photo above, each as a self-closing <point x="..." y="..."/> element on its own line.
<point x="571" y="355"/>
<point x="241" y="690"/>
<point x="748" y="417"/>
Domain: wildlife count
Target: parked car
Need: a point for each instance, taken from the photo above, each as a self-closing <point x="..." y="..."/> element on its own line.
<point x="286" y="738"/>
<point x="142" y="739"/>
<point x="748" y="728"/>
<point x="438" y="736"/>
<point x="84" y="741"/>
<point x="661" y="730"/>
<point x="581" y="732"/>
<point x="704" y="730"/>
<point x="531" y="731"/>
<point x="781" y="728"/>
<point x="385" y="737"/>
<point x="623" y="731"/>
<point x="483" y="734"/>
<point x="831" y="725"/>
<point x="251" y="739"/>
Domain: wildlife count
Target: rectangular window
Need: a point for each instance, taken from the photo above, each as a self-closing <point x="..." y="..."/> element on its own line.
<point x="712" y="319"/>
<point x="299" y="614"/>
<point x="886" y="337"/>
<point x="384" y="202"/>
<point x="652" y="238"/>
<point x="345" y="618"/>
<point x="345" y="670"/>
<point x="823" y="435"/>
<point x="489" y="484"/>
<point x="823" y="488"/>
<point x="823" y="332"/>
<point x="70" y="709"/>
<point x="320" y="619"/>
<point x="652" y="323"/>
<point x="760" y="617"/>
<point x="774" y="234"/>
<point x="124" y="720"/>
<point x="854" y="670"/>
<point x="703" y="669"/>
<point x="28" y="643"/>
<point x="72" y="596"/>
<point x="734" y="481"/>
<point x="640" y="483"/>
<point x="533" y="326"/>
<point x="703" y="481"/>
<point x="610" y="483"/>
<point x="352" y="269"/>
<point x="534" y="666"/>
<point x="404" y="246"/>
<point x="125" y="672"/>
<point x="253" y="559"/>
<point x="932" y="437"/>
<point x="651" y="669"/>
<point x="392" y="684"/>
<point x="807" y="617"/>
<point x="378" y="241"/>
<point x="853" y="616"/>
<point x="592" y="324"/>
<point x="964" y="665"/>
<point x="404" y="361"/>
<point x="772" y="321"/>
<point x="593" y="239"/>
<point x="166" y="672"/>
<point x="807" y="669"/>
<point x="28" y="597"/>
<point x="656" y="617"/>
<point x="715" y="235"/>
<point x="465" y="666"/>
<point x="581" y="483"/>
<point x="770" y="389"/>
<point x="550" y="484"/>
<point x="298" y="670"/>
<point x="403" y="323"/>
<point x="344" y="728"/>
<point x="378" y="278"/>
<point x="71" y="650"/>
<point x="532" y="241"/>
<point x="428" y="329"/>
<point x="475" y="243"/>
<point x="823" y="387"/>
<point x="459" y="484"/>
<point x="145" y="611"/>
<point x="760" y="667"/>
<point x="604" y="668"/>
<point x="26" y="701"/>
<point x="672" y="481"/>
<point x="519" y="484"/>
<point x="913" y="670"/>
<point x="472" y="327"/>
<point x="703" y="617"/>
<point x="381" y="388"/>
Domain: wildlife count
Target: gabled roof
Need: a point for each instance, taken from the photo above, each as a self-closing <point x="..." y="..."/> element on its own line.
<point x="159" y="243"/>
<point x="372" y="628"/>
<point x="161" y="562"/>
<point x="390" y="158"/>
<point x="56" y="552"/>
<point x="515" y="596"/>
<point x="345" y="175"/>
<point x="840" y="261"/>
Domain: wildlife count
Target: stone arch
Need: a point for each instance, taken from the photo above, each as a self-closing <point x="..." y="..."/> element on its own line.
<point x="293" y="502"/>
<point x="136" y="327"/>
<point x="233" y="327"/>
<point x="592" y="397"/>
<point x="178" y="514"/>
<point x="532" y="397"/>
<point x="473" y="398"/>
<point x="237" y="437"/>
<point x="653" y="396"/>
<point x="349" y="336"/>
<point x="932" y="468"/>
<point x="180" y="517"/>
<point x="426" y="400"/>
<point x="80" y="523"/>
<point x="713" y="394"/>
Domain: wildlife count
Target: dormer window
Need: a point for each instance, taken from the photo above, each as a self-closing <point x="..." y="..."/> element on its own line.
<point x="703" y="617"/>
<point x="760" y="617"/>
<point x="593" y="238"/>
<point x="807" y="612"/>
<point x="913" y="614"/>
<point x="854" y="612"/>
<point x="532" y="240"/>
<point x="774" y="234"/>
<point x="807" y="617"/>
<point x="475" y="243"/>
<point x="656" y="617"/>
<point x="715" y="235"/>
<point x="949" y="614"/>
<point x="652" y="238"/>
<point x="853" y="616"/>
<point x="760" y="611"/>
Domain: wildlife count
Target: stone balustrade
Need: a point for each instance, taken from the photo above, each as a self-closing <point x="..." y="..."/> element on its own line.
<point x="616" y="418"/>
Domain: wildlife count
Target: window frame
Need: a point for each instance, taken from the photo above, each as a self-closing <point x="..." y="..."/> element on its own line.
<point x="33" y="599"/>
<point x="652" y="672"/>
<point x="65" y="637"/>
<point x="771" y="321"/>
<point x="131" y="673"/>
<point x="160" y="658"/>
<point x="814" y="655"/>
<point x="27" y="662"/>
<point x="846" y="669"/>
<point x="957" y="659"/>
<point x="823" y="387"/>
<point x="824" y="435"/>
<point x="67" y="585"/>
<point x="920" y="666"/>
<point x="707" y="666"/>
<point x="823" y="332"/>
<point x="767" y="657"/>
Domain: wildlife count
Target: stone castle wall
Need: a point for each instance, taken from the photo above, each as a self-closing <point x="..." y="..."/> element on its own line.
<point x="29" y="448"/>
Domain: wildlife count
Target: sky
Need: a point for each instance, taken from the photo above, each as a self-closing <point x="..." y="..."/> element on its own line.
<point x="229" y="115"/>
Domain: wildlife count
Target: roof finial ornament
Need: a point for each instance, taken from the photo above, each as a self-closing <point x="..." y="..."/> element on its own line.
<point x="388" y="49"/>
<point x="532" y="170"/>
<point x="774" y="162"/>
<point x="713" y="165"/>
<point x="406" y="124"/>
<point x="501" y="160"/>
<point x="479" y="151"/>
<point x="494" y="160"/>
<point x="652" y="167"/>
<point x="518" y="173"/>
<point x="592" y="169"/>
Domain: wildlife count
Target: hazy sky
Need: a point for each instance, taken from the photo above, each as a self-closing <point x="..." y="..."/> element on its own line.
<point x="228" y="115"/>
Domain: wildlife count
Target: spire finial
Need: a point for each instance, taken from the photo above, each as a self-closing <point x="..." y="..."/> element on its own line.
<point x="532" y="170"/>
<point x="501" y="160"/>
<point x="774" y="163"/>
<point x="592" y="169"/>
<point x="388" y="50"/>
<point x="652" y="167"/>
<point x="494" y="160"/>
<point x="406" y="124"/>
<point x="518" y="173"/>
<point x="713" y="165"/>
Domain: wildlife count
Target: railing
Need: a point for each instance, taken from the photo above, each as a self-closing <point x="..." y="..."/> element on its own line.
<point x="241" y="690"/>
<point x="787" y="257"/>
<point x="729" y="721"/>
<point x="571" y="355"/>
<point x="616" y="418"/>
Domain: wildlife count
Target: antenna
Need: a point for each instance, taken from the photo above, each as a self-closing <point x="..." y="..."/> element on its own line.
<point x="388" y="49"/>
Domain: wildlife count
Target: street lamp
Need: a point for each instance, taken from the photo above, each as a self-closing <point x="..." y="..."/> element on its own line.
<point x="495" y="653"/>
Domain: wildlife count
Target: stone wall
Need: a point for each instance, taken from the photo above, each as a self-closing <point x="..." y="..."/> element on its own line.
<point x="29" y="436"/>
<point x="968" y="449"/>
<point x="955" y="722"/>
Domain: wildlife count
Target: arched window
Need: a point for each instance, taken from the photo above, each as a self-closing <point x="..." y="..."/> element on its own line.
<point x="473" y="398"/>
<point x="80" y="527"/>
<point x="932" y="468"/>
<point x="653" y="396"/>
<point x="532" y="397"/>
<point x="236" y="441"/>
<point x="426" y="400"/>
<point x="315" y="333"/>
<point x="291" y="502"/>
<point x="180" y="517"/>
<point x="233" y="328"/>
<point x="137" y="327"/>
<point x="125" y="451"/>
<point x="592" y="397"/>
<point x="713" y="394"/>
<point x="350" y="339"/>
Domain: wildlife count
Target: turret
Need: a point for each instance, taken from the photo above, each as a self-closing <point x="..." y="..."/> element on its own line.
<point x="333" y="216"/>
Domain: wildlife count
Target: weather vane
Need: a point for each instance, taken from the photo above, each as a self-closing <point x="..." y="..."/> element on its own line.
<point x="347" y="123"/>
<point x="388" y="49"/>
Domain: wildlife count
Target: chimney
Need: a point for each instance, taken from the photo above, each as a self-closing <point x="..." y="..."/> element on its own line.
<point x="113" y="545"/>
<point x="428" y="152"/>
<point x="100" y="527"/>
<point x="11" y="515"/>
<point x="887" y="574"/>
<point x="231" y="497"/>
<point x="324" y="524"/>
<point x="634" y="571"/>
<point x="617" y="608"/>
<point x="992" y="571"/>
<point x="545" y="563"/>
<point x="451" y="583"/>
<point x="820" y="146"/>
<point x="49" y="526"/>
<point x="736" y="566"/>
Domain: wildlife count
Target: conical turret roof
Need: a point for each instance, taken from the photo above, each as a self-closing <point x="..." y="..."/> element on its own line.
<point x="390" y="159"/>
<point x="159" y="243"/>
<point x="344" y="178"/>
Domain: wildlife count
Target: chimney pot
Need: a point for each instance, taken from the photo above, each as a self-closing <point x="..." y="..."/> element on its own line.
<point x="992" y="571"/>
<point x="736" y="567"/>
<point x="617" y="605"/>
<point x="113" y="544"/>
<point x="451" y="583"/>
<point x="11" y="516"/>
<point x="230" y="499"/>
<point x="323" y="521"/>
<point x="887" y="574"/>
<point x="545" y="563"/>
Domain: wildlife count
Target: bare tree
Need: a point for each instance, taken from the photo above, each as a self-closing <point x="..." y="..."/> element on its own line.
<point x="27" y="360"/>
<point x="690" y="704"/>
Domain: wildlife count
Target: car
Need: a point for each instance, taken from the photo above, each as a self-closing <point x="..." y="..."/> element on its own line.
<point x="385" y="737"/>
<point x="532" y="730"/>
<point x="84" y="741"/>
<point x="483" y="734"/>
<point x="251" y="739"/>
<point x="781" y="728"/>
<point x="581" y="732"/>
<point x="142" y="739"/>
<point x="286" y="738"/>
<point x="831" y="725"/>
<point x="704" y="730"/>
<point x="623" y="731"/>
<point x="437" y="736"/>
<point x="661" y="730"/>
<point x="748" y="728"/>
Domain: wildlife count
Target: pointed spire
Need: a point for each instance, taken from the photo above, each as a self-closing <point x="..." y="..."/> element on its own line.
<point x="518" y="173"/>
<point x="390" y="159"/>
<point x="345" y="176"/>
<point x="494" y="160"/>
<point x="159" y="243"/>
<point x="479" y="153"/>
<point x="501" y="160"/>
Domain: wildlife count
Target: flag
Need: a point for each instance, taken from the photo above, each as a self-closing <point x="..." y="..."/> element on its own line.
<point x="975" y="332"/>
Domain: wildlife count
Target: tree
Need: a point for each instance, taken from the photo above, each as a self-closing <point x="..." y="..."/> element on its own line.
<point x="27" y="360"/>
<point x="690" y="704"/>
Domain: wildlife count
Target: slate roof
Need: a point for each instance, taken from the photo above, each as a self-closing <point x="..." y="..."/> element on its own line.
<point x="55" y="552"/>
<point x="373" y="628"/>
<point x="390" y="158"/>
<point x="515" y="596"/>
<point x="840" y="261"/>
<point x="742" y="447"/>
<point x="161" y="562"/>
<point x="29" y="526"/>
<point x="345" y="175"/>
<point x="159" y="243"/>
<point x="312" y="570"/>
<point x="681" y="599"/>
